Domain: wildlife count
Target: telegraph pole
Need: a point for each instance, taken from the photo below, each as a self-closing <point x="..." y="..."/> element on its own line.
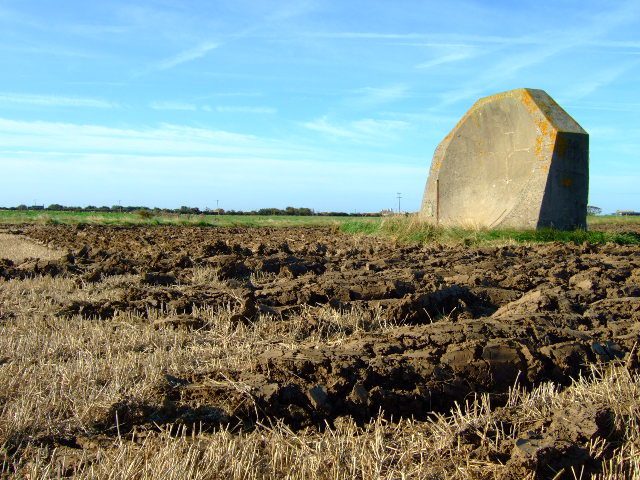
<point x="399" y="198"/>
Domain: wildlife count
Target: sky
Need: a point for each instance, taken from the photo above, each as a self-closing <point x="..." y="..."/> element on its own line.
<point x="328" y="104"/>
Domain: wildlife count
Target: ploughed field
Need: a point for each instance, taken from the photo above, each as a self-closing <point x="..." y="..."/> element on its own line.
<point x="118" y="333"/>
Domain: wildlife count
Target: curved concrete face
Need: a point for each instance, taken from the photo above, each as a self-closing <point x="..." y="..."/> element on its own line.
<point x="515" y="160"/>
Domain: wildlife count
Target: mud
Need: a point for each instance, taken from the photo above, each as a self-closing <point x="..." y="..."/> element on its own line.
<point x="464" y="320"/>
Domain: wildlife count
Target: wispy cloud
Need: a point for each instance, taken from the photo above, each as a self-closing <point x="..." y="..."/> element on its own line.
<point x="192" y="107"/>
<point x="615" y="44"/>
<point x="503" y="70"/>
<point x="186" y="56"/>
<point x="139" y="165"/>
<point x="556" y="42"/>
<point x="229" y="94"/>
<point x="436" y="40"/>
<point x="94" y="30"/>
<point x="68" y="139"/>
<point x="598" y="80"/>
<point x="374" y="96"/>
<point x="181" y="106"/>
<point x="368" y="35"/>
<point x="163" y="140"/>
<point x="461" y="53"/>
<point x="423" y="118"/>
<point x="244" y="109"/>
<point x="54" y="101"/>
<point x="48" y="50"/>
<point x="167" y="20"/>
<point x="606" y="106"/>
<point x="362" y="131"/>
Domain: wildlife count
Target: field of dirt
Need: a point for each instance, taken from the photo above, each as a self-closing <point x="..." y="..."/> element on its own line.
<point x="431" y="326"/>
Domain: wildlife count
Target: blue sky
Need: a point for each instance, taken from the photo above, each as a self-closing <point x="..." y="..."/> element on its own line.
<point x="327" y="104"/>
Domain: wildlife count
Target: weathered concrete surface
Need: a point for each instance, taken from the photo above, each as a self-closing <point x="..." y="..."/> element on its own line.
<point x="514" y="160"/>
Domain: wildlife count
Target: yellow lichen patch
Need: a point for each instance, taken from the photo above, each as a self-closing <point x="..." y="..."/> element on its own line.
<point x="545" y="138"/>
<point x="543" y="126"/>
<point x="528" y="102"/>
<point x="538" y="147"/>
<point x="545" y="129"/>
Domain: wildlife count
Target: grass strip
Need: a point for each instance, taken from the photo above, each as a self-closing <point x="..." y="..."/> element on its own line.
<point x="412" y="230"/>
<point x="145" y="218"/>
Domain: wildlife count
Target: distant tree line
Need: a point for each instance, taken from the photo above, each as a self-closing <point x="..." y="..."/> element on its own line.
<point x="184" y="210"/>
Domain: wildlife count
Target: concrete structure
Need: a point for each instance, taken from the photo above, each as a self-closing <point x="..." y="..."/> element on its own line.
<point x="515" y="160"/>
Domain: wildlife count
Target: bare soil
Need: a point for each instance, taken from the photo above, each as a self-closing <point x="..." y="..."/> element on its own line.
<point x="436" y="325"/>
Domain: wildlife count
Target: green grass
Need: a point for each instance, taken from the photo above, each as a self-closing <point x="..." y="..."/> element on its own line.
<point x="412" y="230"/>
<point x="403" y="229"/>
<point x="18" y="217"/>
<point x="613" y="219"/>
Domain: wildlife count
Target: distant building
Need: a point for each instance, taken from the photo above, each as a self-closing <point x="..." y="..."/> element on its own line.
<point x="386" y="213"/>
<point x="625" y="213"/>
<point x="36" y="207"/>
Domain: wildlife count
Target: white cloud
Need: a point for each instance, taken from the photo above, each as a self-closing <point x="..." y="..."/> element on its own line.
<point x="505" y="69"/>
<point x="435" y="40"/>
<point x="184" y="141"/>
<point x="185" y="56"/>
<point x="445" y="40"/>
<point x="230" y="94"/>
<point x="322" y="125"/>
<point x="166" y="139"/>
<point x="369" y="35"/>
<point x="423" y="117"/>
<point x="94" y="30"/>
<point x="374" y="96"/>
<point x="554" y="43"/>
<point x="48" y="50"/>
<point x="245" y="109"/>
<point x="54" y="100"/>
<point x="599" y="79"/>
<point x="363" y="131"/>
<point x="191" y="107"/>
<point x="444" y="53"/>
<point x="167" y="105"/>
<point x="606" y="106"/>
<point x="177" y="165"/>
<point x="446" y="58"/>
